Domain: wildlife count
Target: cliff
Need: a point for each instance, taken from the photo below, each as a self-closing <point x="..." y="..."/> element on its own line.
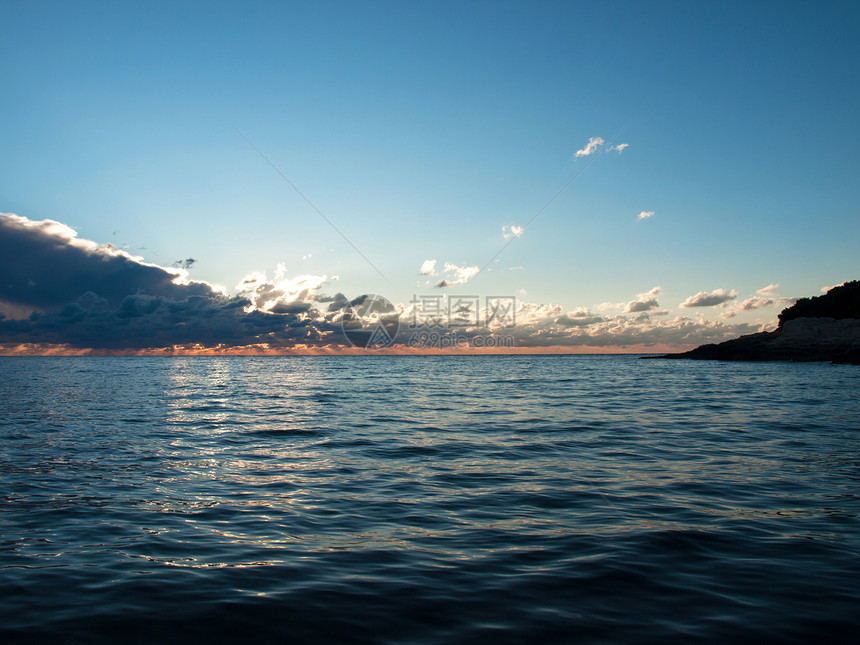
<point x="824" y="328"/>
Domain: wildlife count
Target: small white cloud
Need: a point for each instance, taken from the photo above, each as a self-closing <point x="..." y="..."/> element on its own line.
<point x="512" y="231"/>
<point x="769" y="290"/>
<point x="463" y="273"/>
<point x="307" y="256"/>
<point x="833" y="286"/>
<point x="590" y="148"/>
<point x="644" y="301"/>
<point x="645" y="215"/>
<point x="456" y="275"/>
<point x="759" y="302"/>
<point x="428" y="268"/>
<point x="756" y="302"/>
<point x="712" y="299"/>
<point x="620" y="147"/>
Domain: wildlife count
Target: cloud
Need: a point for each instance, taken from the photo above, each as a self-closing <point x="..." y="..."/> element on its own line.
<point x="512" y="231"/>
<point x="581" y="317"/>
<point x="645" y="214"/>
<point x="705" y="299"/>
<point x="756" y="302"/>
<point x="636" y="306"/>
<point x="456" y="275"/>
<point x="644" y="301"/>
<point x="620" y="147"/>
<point x="590" y="148"/>
<point x="539" y="325"/>
<point x="144" y="321"/>
<point x="187" y="263"/>
<point x="267" y="295"/>
<point x="764" y="298"/>
<point x="61" y="291"/>
<point x="759" y="302"/>
<point x="69" y="291"/>
<point x="44" y="264"/>
<point x="428" y="268"/>
<point x="608" y="307"/>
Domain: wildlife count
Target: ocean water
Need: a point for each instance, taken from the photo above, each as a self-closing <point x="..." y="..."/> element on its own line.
<point x="377" y="499"/>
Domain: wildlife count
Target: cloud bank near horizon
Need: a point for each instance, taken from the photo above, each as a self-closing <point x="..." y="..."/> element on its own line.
<point x="61" y="290"/>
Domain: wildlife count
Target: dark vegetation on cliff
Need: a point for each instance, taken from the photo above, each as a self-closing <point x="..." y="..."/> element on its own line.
<point x="840" y="302"/>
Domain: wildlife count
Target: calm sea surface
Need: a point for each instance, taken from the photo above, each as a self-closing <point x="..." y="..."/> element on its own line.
<point x="428" y="500"/>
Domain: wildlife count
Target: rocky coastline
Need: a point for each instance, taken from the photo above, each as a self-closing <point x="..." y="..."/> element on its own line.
<point x="824" y="328"/>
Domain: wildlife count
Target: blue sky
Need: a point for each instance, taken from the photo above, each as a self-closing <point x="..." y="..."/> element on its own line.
<point x="420" y="130"/>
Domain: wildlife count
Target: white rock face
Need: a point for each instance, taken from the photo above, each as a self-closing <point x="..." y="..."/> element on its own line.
<point x="817" y="332"/>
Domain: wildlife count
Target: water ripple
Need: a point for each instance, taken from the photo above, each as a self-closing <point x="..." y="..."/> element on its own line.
<point x="427" y="500"/>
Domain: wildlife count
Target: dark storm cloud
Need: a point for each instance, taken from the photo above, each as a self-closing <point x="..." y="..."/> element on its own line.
<point x="43" y="264"/>
<point x="93" y="296"/>
<point x="142" y="321"/>
<point x="291" y="308"/>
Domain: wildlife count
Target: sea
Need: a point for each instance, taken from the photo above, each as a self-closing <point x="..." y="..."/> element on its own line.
<point x="428" y="499"/>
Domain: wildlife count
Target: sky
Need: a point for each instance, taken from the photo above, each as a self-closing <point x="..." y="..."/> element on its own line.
<point x="632" y="175"/>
